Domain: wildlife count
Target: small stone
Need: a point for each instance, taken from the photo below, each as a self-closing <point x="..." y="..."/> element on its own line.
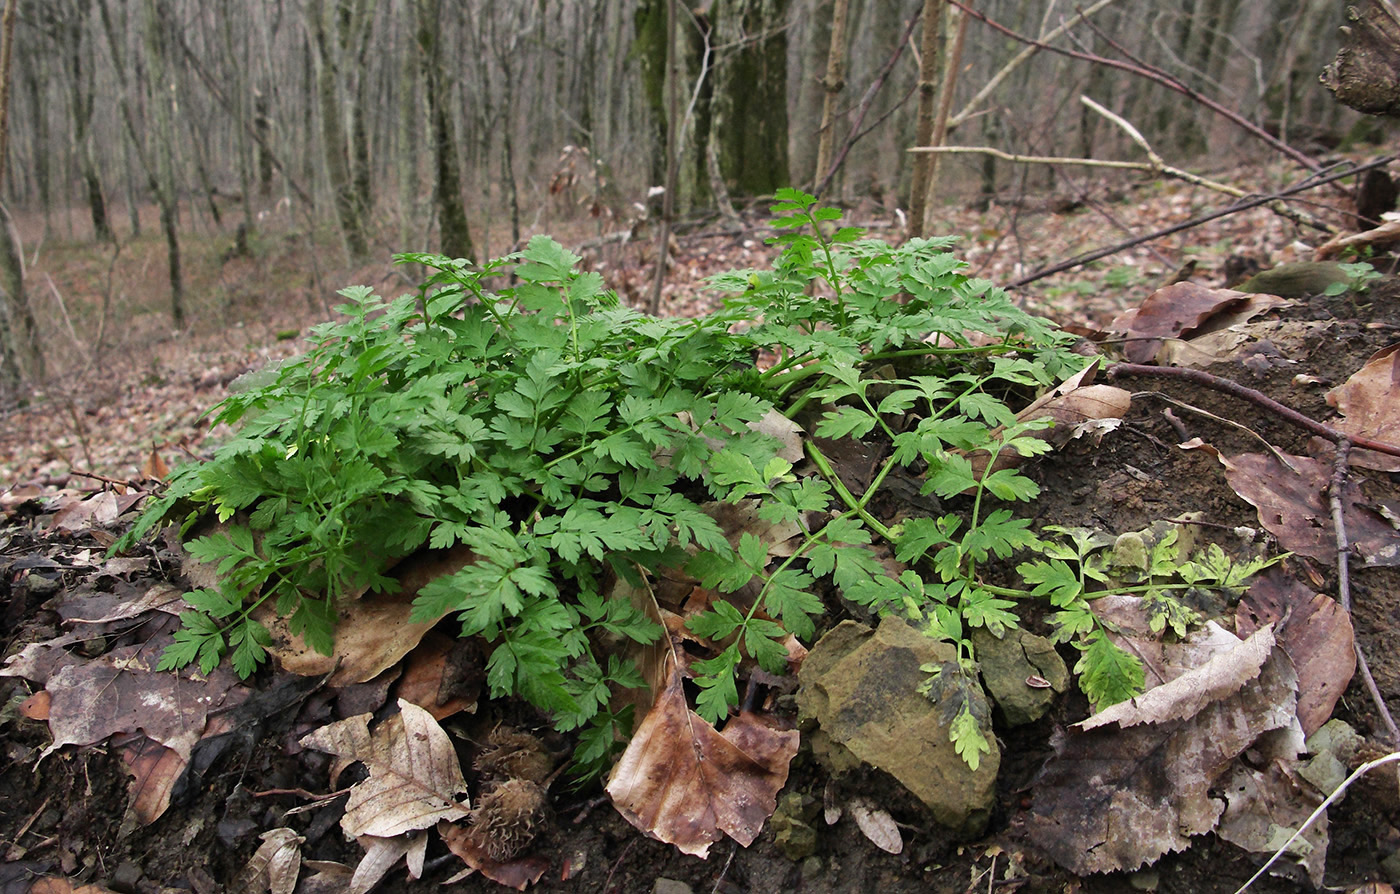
<point x="1130" y="551"/>
<point x="670" y="886"/>
<point x="1022" y="671"/>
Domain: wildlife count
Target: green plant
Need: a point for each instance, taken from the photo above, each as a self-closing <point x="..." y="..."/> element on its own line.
<point x="1359" y="275"/>
<point x="565" y="439"/>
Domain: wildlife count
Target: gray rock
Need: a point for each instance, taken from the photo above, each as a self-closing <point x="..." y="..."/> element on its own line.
<point x="862" y="687"/>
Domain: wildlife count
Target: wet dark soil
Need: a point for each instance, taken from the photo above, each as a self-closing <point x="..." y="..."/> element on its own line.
<point x="61" y="815"/>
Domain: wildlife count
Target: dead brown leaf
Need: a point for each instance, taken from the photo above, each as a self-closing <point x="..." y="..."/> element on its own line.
<point x="428" y="677"/>
<point x="273" y="867"/>
<point x="1176" y="311"/>
<point x="381" y="854"/>
<point x="1292" y="506"/>
<point x="97" y="511"/>
<point x="371" y="633"/>
<point x="519" y="873"/>
<point x="684" y="783"/>
<point x="1114" y="798"/>
<point x="414" y="780"/>
<point x="1265" y="807"/>
<point x="1314" y="631"/>
<point x="1369" y="402"/>
<point x="1222" y="674"/>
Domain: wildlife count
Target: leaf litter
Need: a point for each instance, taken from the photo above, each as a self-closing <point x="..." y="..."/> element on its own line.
<point x="1237" y="690"/>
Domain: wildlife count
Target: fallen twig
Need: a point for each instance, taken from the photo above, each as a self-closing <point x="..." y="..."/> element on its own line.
<point x="1243" y="205"/>
<point x="1339" y="525"/>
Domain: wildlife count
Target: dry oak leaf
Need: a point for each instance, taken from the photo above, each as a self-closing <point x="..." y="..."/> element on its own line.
<point x="414" y="775"/>
<point x="371" y="633"/>
<point x="682" y="782"/>
<point x="1292" y="507"/>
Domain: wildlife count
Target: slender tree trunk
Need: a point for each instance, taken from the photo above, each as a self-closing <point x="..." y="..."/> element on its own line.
<point x="162" y="94"/>
<point x="447" y="185"/>
<point x="833" y="84"/>
<point x="923" y="128"/>
<point x="80" y="102"/>
<point x="668" y="200"/>
<point x="23" y="359"/>
<point x="749" y="124"/>
<point x="335" y="148"/>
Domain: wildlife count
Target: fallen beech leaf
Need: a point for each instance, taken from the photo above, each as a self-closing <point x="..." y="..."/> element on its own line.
<point x="877" y="825"/>
<point x="86" y="607"/>
<point x="519" y="873"/>
<point x="36" y="707"/>
<point x="120" y="692"/>
<point x="273" y="867"/>
<point x="373" y="632"/>
<point x="1222" y="674"/>
<point x="382" y="853"/>
<point x="428" y="675"/>
<point x="684" y="783"/>
<point x="154" y="770"/>
<point x="1315" y="632"/>
<point x="414" y="776"/>
<point x="1369" y="402"/>
<point x="97" y="511"/>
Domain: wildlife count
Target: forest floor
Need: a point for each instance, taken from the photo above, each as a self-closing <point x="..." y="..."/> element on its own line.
<point x="124" y="410"/>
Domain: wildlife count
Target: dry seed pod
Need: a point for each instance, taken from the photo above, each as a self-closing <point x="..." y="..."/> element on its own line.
<point x="507" y="819"/>
<point x="511" y="754"/>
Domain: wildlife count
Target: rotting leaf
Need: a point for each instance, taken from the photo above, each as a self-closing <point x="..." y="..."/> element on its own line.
<point x="1113" y="798"/>
<point x="519" y="873"/>
<point x="1315" y="632"/>
<point x="1369" y="402"/>
<point x="684" y="783"/>
<point x="414" y="780"/>
<point x="1265" y="807"/>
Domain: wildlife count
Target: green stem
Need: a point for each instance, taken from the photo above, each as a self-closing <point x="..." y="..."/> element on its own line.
<point x="814" y="453"/>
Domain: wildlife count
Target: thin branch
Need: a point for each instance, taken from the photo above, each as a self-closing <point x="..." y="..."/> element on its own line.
<point x="865" y="102"/>
<point x="1310" y="183"/>
<point x="1216" y="383"/>
<point x="1336" y="489"/>
<point x="970" y="109"/>
<point x="1160" y="77"/>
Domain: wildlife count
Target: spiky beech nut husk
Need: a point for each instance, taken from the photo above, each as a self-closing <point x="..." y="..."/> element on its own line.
<point x="506" y="819"/>
<point x="512" y="754"/>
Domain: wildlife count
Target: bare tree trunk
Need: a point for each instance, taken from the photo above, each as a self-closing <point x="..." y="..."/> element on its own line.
<point x="447" y="186"/>
<point x="162" y="93"/>
<point x="749" y="126"/>
<point x="833" y="84"/>
<point x="335" y="148"/>
<point x="923" y="129"/>
<point x="23" y="359"/>
<point x="668" y="200"/>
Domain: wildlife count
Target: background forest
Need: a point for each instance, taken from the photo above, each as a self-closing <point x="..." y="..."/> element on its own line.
<point x="467" y="126"/>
